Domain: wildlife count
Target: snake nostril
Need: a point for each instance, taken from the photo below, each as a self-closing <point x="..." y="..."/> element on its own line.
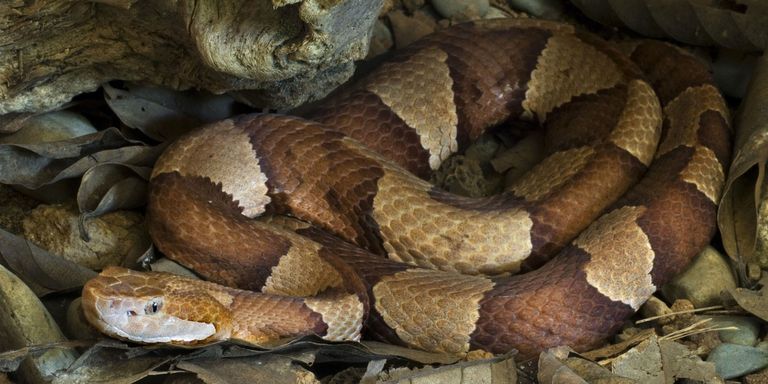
<point x="131" y="313"/>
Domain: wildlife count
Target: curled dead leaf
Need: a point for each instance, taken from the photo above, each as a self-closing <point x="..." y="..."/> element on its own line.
<point x="41" y="271"/>
<point x="108" y="187"/>
<point x="164" y="114"/>
<point x="36" y="165"/>
<point x="737" y="25"/>
<point x="737" y="214"/>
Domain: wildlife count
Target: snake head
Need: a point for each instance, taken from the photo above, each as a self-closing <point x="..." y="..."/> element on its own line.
<point x="155" y="308"/>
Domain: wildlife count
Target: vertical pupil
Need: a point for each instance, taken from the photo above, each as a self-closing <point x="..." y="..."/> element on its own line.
<point x="154" y="307"/>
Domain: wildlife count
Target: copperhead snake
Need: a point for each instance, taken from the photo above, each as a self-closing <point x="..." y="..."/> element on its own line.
<point x="637" y="143"/>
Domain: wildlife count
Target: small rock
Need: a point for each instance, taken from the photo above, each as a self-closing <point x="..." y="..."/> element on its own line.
<point x="409" y="29"/>
<point x="747" y="332"/>
<point x="24" y="321"/>
<point x="461" y="10"/>
<point x="114" y="237"/>
<point x="733" y="360"/>
<point x="381" y="39"/>
<point x="545" y="9"/>
<point x="654" y="307"/>
<point x="708" y="275"/>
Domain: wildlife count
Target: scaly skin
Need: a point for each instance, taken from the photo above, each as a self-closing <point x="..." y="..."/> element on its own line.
<point x="608" y="253"/>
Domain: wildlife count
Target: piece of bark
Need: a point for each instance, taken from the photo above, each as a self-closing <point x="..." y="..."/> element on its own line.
<point x="283" y="52"/>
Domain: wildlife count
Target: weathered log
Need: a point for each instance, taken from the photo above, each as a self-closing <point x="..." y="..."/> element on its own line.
<point x="282" y="52"/>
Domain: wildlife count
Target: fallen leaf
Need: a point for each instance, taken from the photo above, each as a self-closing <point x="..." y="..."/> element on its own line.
<point x="389" y="350"/>
<point x="737" y="214"/>
<point x="36" y="165"/>
<point x="259" y="369"/>
<point x="113" y="363"/>
<point x="48" y="127"/>
<point x="664" y="362"/>
<point x="562" y="366"/>
<point x="615" y="349"/>
<point x="756" y="302"/>
<point x="43" y="272"/>
<point x="737" y="25"/>
<point x="164" y="114"/>
<point x="108" y="187"/>
<point x="496" y="370"/>
<point x="11" y="360"/>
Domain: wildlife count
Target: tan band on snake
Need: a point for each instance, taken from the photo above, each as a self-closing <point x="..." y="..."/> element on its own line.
<point x="606" y="217"/>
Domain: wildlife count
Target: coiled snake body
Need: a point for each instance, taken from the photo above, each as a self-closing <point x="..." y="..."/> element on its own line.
<point x="624" y="199"/>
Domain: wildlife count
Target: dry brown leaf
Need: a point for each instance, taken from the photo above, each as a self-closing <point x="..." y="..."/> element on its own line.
<point x="36" y="165"/>
<point x="496" y="370"/>
<point x="41" y="271"/>
<point x="737" y="214"/>
<point x="389" y="350"/>
<point x="727" y="24"/>
<point x="260" y="369"/>
<point x="230" y="363"/>
<point x="756" y="302"/>
<point x="11" y="360"/>
<point x="164" y="114"/>
<point x="108" y="187"/>
<point x="50" y="126"/>
<point x="663" y="362"/>
<point x="556" y="366"/>
<point x="113" y="363"/>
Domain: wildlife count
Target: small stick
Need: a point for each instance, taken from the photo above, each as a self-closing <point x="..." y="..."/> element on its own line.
<point x="647" y="319"/>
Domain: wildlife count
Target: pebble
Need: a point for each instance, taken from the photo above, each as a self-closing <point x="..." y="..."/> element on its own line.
<point x="747" y="333"/>
<point x="461" y="10"/>
<point x="703" y="282"/>
<point x="114" y="237"/>
<point x="24" y="321"/>
<point x="545" y="9"/>
<point x="655" y="307"/>
<point x="733" y="360"/>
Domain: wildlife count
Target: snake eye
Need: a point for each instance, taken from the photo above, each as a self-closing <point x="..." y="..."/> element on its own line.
<point x="152" y="307"/>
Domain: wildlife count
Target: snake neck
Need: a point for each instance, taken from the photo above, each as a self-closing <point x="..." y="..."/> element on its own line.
<point x="264" y="320"/>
